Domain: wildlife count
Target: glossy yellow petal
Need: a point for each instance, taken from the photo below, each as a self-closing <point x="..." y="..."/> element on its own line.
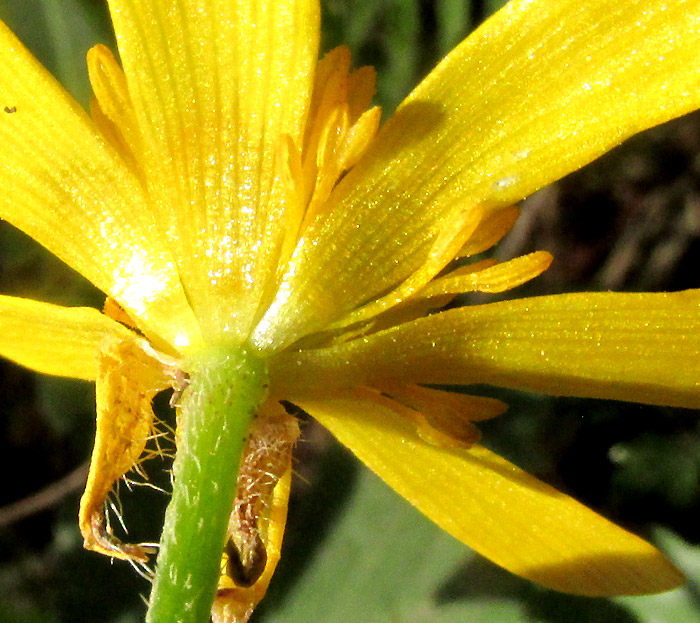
<point x="444" y="247"/>
<point x="498" y="278"/>
<point x="635" y="347"/>
<point x="69" y="190"/>
<point x="129" y="376"/>
<point x="329" y="92"/>
<point x="113" y="110"/>
<point x="494" y="225"/>
<point x="112" y="134"/>
<point x="361" y="87"/>
<point x="502" y="512"/>
<point x="359" y="137"/>
<point x="539" y="90"/>
<point x="445" y="405"/>
<point x="215" y="86"/>
<point x="437" y="424"/>
<point x="54" y="340"/>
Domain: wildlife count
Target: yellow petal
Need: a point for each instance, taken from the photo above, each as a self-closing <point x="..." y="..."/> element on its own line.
<point x="112" y="134"/>
<point x="502" y="512"/>
<point x="215" y="85"/>
<point x="495" y="225"/>
<point x="129" y="376"/>
<point x="434" y="424"/>
<point x="634" y="347"/>
<point x="445" y="405"/>
<point x="359" y="137"/>
<point x="112" y="101"/>
<point x="330" y="91"/>
<point x="69" y="190"/>
<point x="498" y="278"/>
<point x="443" y="249"/>
<point x="54" y="340"/>
<point x="361" y="88"/>
<point x="539" y="90"/>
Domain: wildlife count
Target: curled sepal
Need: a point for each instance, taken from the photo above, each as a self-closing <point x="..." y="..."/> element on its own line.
<point x="130" y="373"/>
<point x="259" y="514"/>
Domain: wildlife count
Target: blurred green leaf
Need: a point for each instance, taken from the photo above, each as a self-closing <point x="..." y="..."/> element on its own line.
<point x="676" y="460"/>
<point x="453" y="23"/>
<point x="27" y="269"/>
<point x="401" y="38"/>
<point x="493" y="5"/>
<point x="685" y="555"/>
<point x="349" y="23"/>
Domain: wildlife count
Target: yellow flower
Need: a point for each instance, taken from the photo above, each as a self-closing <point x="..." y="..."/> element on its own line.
<point x="227" y="189"/>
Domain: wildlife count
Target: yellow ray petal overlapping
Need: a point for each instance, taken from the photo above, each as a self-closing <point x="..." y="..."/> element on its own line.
<point x="215" y="86"/>
<point x="502" y="512"/>
<point x="178" y="211"/>
<point x="51" y="339"/>
<point x="635" y="347"/>
<point x="66" y="188"/>
<point x="539" y="90"/>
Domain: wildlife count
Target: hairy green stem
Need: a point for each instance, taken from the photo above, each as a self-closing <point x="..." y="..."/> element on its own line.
<point x="227" y="384"/>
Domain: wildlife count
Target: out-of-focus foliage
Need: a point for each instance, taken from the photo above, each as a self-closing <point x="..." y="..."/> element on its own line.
<point x="354" y="550"/>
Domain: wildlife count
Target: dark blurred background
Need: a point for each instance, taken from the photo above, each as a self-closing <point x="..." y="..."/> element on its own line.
<point x="355" y="551"/>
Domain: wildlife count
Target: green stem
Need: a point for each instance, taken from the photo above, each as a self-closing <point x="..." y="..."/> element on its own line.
<point x="227" y="384"/>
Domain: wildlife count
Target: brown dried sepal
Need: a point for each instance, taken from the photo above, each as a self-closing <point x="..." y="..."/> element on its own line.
<point x="258" y="517"/>
<point x="130" y="374"/>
